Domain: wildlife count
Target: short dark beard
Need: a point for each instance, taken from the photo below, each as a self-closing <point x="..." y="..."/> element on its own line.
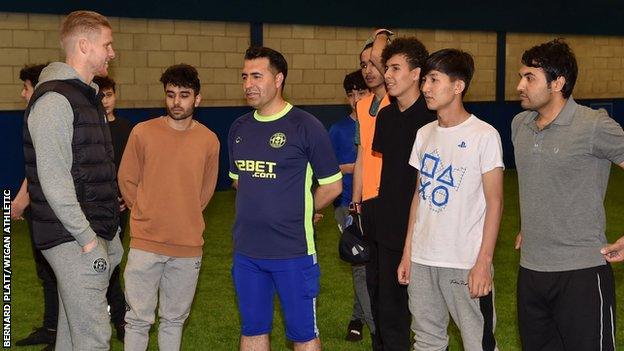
<point x="181" y="118"/>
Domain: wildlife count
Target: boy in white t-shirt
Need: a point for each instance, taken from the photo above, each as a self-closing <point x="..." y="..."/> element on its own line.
<point x="455" y="213"/>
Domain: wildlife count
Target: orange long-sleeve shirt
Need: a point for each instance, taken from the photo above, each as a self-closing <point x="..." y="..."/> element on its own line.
<point x="167" y="178"/>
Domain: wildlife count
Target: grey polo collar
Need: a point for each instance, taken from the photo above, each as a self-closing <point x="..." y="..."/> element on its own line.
<point x="564" y="117"/>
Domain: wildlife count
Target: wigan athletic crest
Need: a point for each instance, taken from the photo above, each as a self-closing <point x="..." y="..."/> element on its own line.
<point x="277" y="140"/>
<point x="100" y="265"/>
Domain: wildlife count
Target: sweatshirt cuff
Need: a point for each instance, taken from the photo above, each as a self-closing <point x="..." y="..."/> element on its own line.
<point x="85" y="237"/>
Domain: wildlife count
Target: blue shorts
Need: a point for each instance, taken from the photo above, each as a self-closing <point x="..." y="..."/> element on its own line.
<point x="296" y="281"/>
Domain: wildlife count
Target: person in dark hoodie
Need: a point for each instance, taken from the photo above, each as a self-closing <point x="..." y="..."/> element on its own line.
<point x="120" y="132"/>
<point x="46" y="334"/>
<point x="72" y="181"/>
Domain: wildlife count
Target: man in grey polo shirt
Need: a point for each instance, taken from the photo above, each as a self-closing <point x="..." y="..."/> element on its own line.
<point x="564" y="151"/>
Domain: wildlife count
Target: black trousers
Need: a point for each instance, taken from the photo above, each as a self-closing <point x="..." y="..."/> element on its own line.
<point x="570" y="310"/>
<point x="389" y="299"/>
<point x="48" y="280"/>
<point x="114" y="294"/>
<point x="392" y="301"/>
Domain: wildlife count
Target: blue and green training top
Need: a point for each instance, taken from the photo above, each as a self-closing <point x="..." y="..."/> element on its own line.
<point x="274" y="159"/>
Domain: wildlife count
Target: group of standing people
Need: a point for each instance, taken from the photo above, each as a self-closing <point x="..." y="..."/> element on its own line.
<point x="79" y="187"/>
<point x="427" y="182"/>
<point x="425" y="175"/>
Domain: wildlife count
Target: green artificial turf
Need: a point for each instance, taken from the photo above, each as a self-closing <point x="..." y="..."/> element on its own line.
<point x="214" y="322"/>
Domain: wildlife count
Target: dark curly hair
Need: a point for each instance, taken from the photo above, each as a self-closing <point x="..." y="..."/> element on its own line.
<point x="414" y="51"/>
<point x="104" y="83"/>
<point x="181" y="75"/>
<point x="31" y="73"/>
<point x="557" y="60"/>
<point x="455" y="63"/>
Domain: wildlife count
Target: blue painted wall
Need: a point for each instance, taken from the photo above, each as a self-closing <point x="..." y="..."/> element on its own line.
<point x="219" y="120"/>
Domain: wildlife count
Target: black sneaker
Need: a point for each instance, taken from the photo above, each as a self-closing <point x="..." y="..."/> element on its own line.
<point x="121" y="331"/>
<point x="354" y="331"/>
<point x="38" y="336"/>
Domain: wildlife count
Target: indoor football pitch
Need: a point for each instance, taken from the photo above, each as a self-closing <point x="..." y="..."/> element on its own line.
<point x="214" y="322"/>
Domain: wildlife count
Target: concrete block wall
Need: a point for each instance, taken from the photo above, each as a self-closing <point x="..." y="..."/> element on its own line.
<point x="318" y="57"/>
<point x="143" y="47"/>
<point x="600" y="60"/>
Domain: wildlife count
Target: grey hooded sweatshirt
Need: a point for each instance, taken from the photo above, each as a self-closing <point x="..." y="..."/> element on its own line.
<point x="51" y="128"/>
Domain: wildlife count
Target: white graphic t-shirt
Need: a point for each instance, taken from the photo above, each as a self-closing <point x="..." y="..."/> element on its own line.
<point x="451" y="211"/>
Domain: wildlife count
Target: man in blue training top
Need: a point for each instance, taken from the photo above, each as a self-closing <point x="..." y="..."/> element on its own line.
<point x="274" y="152"/>
<point x="342" y="134"/>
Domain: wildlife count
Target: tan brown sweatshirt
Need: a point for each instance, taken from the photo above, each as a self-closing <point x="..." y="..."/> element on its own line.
<point x="167" y="177"/>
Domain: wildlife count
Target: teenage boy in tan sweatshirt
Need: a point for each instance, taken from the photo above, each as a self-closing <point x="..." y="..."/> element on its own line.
<point x="167" y="176"/>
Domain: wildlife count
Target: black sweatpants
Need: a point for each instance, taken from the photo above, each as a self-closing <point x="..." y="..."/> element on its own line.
<point x="570" y="310"/>
<point x="48" y="280"/>
<point x="114" y="294"/>
<point x="389" y="299"/>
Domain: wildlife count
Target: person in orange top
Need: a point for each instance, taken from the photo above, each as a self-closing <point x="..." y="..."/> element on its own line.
<point x="367" y="169"/>
<point x="167" y="176"/>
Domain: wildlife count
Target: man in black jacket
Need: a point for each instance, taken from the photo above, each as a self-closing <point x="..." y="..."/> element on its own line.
<point x="46" y="334"/>
<point x="72" y="181"/>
